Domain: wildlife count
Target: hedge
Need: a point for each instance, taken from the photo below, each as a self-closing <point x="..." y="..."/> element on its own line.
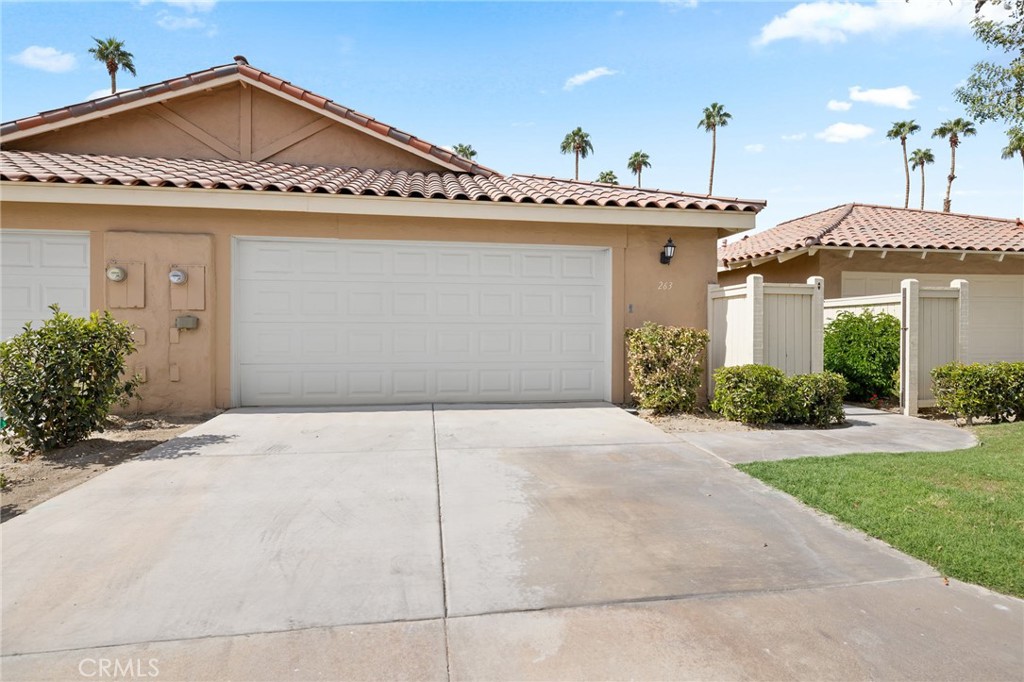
<point x="665" y="366"/>
<point x="759" y="395"/>
<point x="994" y="390"/>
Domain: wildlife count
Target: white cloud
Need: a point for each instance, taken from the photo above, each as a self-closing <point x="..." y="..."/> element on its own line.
<point x="675" y="5"/>
<point x="173" y="22"/>
<point x="103" y="92"/>
<point x="828" y="21"/>
<point x="754" y="148"/>
<point x="795" y="137"/>
<point x="900" y="97"/>
<point x="45" y="59"/>
<point x="836" y="105"/>
<point x="844" y="132"/>
<point x="587" y="76"/>
<point x="189" y="6"/>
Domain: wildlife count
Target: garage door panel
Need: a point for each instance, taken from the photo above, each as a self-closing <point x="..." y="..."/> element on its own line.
<point x="335" y="322"/>
<point x="39" y="269"/>
<point x="404" y="344"/>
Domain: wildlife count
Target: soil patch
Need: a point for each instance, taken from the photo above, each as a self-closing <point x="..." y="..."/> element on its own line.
<point x="36" y="477"/>
<point x="698" y="422"/>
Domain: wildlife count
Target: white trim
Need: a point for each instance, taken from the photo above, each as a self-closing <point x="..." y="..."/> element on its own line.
<point x="999" y="256"/>
<point x="301" y="202"/>
<point x="235" y="378"/>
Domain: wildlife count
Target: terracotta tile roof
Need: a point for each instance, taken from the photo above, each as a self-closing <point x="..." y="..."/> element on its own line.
<point x="882" y="227"/>
<point x="22" y="166"/>
<point x="241" y="69"/>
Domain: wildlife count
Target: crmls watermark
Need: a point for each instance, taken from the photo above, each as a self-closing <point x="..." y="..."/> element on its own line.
<point x="117" y="668"/>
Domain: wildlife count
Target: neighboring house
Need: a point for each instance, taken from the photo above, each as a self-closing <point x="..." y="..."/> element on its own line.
<point x="862" y="250"/>
<point x="324" y="257"/>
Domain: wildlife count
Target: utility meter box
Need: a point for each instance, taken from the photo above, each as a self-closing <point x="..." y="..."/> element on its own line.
<point x="186" y="322"/>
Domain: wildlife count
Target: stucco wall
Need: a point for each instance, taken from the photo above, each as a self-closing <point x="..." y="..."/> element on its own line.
<point x="227" y="122"/>
<point x="672" y="294"/>
<point x="831" y="265"/>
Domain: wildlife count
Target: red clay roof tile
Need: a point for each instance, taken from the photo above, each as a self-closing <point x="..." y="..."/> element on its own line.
<point x="22" y="166"/>
<point x="882" y="227"/>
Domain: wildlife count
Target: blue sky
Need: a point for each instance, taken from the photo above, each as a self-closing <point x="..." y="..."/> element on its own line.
<point x="813" y="87"/>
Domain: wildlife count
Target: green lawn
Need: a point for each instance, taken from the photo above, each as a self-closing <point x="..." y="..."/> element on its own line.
<point x="961" y="511"/>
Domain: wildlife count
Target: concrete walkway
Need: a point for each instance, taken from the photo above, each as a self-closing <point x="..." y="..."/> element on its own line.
<point x="866" y="430"/>
<point x="469" y="542"/>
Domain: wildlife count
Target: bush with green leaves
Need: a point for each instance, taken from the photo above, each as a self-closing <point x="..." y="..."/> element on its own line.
<point x="752" y="394"/>
<point x="994" y="390"/>
<point x="815" y="399"/>
<point x="60" y="381"/>
<point x="865" y="349"/>
<point x="665" y="366"/>
<point x="759" y="394"/>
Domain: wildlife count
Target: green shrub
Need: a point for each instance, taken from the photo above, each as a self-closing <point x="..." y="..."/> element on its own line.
<point x="865" y="349"/>
<point x="815" y="399"/>
<point x="665" y="366"/>
<point x="994" y="390"/>
<point x="60" y="381"/>
<point x="752" y="394"/>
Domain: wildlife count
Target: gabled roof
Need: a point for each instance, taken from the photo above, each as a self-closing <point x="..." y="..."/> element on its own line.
<point x="44" y="167"/>
<point x="221" y="75"/>
<point x="881" y="227"/>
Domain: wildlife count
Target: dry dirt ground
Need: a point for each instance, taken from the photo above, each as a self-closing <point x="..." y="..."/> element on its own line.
<point x="36" y="477"/>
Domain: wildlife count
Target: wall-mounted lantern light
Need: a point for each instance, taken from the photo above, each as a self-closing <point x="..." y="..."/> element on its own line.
<point x="177" y="276"/>
<point x="667" y="252"/>
<point x="115" y="273"/>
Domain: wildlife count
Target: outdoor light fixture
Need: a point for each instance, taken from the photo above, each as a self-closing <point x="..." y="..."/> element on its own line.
<point x="177" y="276"/>
<point x="667" y="252"/>
<point x="115" y="273"/>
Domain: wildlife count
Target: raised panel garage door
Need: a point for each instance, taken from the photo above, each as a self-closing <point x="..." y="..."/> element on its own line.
<point x="995" y="315"/>
<point x="37" y="269"/>
<point x="332" y="322"/>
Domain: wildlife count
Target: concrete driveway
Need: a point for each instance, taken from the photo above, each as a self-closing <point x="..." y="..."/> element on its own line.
<point x="469" y="542"/>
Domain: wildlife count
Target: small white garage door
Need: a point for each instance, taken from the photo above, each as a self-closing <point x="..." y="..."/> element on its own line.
<point x="331" y="322"/>
<point x="40" y="268"/>
<point x="996" y="313"/>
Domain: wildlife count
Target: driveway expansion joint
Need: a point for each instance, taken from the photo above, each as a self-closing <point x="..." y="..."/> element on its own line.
<point x="440" y="539"/>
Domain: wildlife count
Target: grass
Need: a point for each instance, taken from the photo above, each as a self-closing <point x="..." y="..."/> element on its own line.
<point x="960" y="511"/>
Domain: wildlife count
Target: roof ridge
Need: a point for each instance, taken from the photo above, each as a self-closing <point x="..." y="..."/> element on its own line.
<point x="935" y="212"/>
<point x="245" y="70"/>
<point x="816" y="237"/>
<point x="608" y="185"/>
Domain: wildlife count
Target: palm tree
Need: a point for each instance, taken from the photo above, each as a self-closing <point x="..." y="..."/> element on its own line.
<point x="953" y="129"/>
<point x="466" y="151"/>
<point x="112" y="53"/>
<point x="609" y="177"/>
<point x="900" y="131"/>
<point x="636" y="164"/>
<point x="1015" y="144"/>
<point x="715" y="117"/>
<point x="918" y="159"/>
<point x="577" y="142"/>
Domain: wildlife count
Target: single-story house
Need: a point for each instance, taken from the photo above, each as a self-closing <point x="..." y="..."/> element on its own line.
<point x="863" y="250"/>
<point x="273" y="247"/>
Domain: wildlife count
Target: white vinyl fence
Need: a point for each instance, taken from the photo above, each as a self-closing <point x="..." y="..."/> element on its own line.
<point x="770" y="324"/>
<point x="934" y="331"/>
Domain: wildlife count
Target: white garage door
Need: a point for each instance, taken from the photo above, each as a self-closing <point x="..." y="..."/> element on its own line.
<point x="996" y="312"/>
<point x="330" y="322"/>
<point x="40" y="268"/>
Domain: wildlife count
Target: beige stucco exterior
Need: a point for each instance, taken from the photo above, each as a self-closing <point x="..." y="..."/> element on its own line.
<point x="832" y="263"/>
<point x="192" y="370"/>
<point x="151" y="230"/>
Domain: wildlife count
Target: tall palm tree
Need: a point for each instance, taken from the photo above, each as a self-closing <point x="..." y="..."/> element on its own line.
<point x="953" y="129"/>
<point x="636" y="164"/>
<point x="609" y="177"/>
<point x="1015" y="144"/>
<point x="466" y="151"/>
<point x="113" y="55"/>
<point x="900" y="131"/>
<point x="918" y="159"/>
<point x="715" y="117"/>
<point x="577" y="142"/>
